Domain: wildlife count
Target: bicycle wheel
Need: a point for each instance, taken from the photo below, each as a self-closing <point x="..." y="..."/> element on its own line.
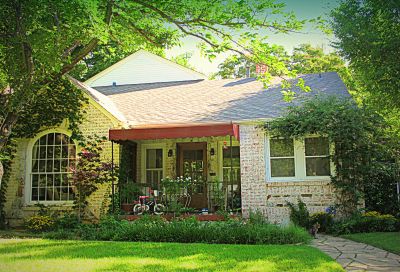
<point x="159" y="209"/>
<point x="140" y="209"/>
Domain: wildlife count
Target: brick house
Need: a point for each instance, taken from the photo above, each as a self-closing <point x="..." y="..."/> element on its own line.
<point x="172" y="117"/>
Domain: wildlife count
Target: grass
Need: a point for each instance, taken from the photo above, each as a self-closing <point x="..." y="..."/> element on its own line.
<point x="52" y="255"/>
<point x="389" y="241"/>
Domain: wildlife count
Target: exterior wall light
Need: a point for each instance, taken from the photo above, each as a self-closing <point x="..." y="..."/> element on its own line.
<point x="212" y="151"/>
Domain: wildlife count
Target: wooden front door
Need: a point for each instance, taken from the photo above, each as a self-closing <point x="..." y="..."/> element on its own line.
<point x="192" y="162"/>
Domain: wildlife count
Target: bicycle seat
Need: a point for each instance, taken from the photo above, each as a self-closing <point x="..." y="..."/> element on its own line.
<point x="143" y="197"/>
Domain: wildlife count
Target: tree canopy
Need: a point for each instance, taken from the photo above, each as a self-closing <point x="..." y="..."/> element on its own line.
<point x="43" y="40"/>
<point x="363" y="149"/>
<point x="368" y="36"/>
<point x="305" y="59"/>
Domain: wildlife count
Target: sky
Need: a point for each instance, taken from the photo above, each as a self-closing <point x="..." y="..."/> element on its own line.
<point x="304" y="9"/>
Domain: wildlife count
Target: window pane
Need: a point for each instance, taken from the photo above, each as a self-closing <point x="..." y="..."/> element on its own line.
<point x="235" y="175"/>
<point x="35" y="180"/>
<point x="58" y="139"/>
<point x="281" y="147"/>
<point x="35" y="194"/>
<point x="64" y="193"/>
<point x="42" y="194"/>
<point x="42" y="153"/>
<point x="50" y="139"/>
<point x="317" y="146"/>
<point x="282" y="168"/>
<point x="235" y="156"/>
<point x="43" y="140"/>
<point x="318" y="167"/>
<point x="72" y="151"/>
<point x="35" y="165"/>
<point x="153" y="158"/>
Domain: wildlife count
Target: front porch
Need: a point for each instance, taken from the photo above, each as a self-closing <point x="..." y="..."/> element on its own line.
<point x="189" y="169"/>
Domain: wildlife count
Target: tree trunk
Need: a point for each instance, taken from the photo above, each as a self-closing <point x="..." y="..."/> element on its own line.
<point x="5" y="129"/>
<point x="1" y="173"/>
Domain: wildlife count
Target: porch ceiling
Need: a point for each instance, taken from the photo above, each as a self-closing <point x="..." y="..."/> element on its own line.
<point x="173" y="131"/>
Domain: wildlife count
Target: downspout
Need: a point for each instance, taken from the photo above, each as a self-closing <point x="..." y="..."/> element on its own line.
<point x="112" y="178"/>
<point x="231" y="170"/>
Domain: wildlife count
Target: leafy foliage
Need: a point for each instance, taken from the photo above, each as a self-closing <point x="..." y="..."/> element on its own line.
<point x="357" y="134"/>
<point x="39" y="223"/>
<point x="183" y="59"/>
<point x="5" y="160"/>
<point x="151" y="228"/>
<point x="305" y="59"/>
<point x="89" y="172"/>
<point x="325" y="221"/>
<point x="299" y="214"/>
<point x="368" y="222"/>
<point x="368" y="36"/>
<point x="42" y="41"/>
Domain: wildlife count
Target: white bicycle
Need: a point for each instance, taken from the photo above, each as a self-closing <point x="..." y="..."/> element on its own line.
<point x="146" y="205"/>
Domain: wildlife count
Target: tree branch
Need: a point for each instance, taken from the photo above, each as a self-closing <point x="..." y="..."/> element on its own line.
<point x="181" y="27"/>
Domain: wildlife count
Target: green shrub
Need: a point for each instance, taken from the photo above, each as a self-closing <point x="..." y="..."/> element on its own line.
<point x="325" y="220"/>
<point x="67" y="221"/>
<point x="38" y="223"/>
<point x="188" y="230"/>
<point x="257" y="217"/>
<point x="368" y="222"/>
<point x="299" y="214"/>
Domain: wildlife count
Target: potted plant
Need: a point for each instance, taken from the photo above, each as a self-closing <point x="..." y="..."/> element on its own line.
<point x="129" y="193"/>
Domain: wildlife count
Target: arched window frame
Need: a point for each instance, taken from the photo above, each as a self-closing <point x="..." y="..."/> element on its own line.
<point x="28" y="172"/>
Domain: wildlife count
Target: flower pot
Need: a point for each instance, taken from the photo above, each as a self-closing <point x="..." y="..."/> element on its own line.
<point x="127" y="207"/>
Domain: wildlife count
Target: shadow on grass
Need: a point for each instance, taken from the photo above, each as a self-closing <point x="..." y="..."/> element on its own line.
<point x="129" y="256"/>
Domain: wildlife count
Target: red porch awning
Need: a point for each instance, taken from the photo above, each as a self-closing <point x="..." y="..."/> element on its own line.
<point x="175" y="131"/>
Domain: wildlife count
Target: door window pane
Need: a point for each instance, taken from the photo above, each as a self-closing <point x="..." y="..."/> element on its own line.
<point x="226" y="164"/>
<point x="154" y="167"/>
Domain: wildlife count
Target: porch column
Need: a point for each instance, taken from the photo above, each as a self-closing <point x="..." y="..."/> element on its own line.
<point x="252" y="167"/>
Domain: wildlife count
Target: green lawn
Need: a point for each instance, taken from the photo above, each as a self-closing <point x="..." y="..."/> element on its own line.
<point x="50" y="255"/>
<point x="389" y="241"/>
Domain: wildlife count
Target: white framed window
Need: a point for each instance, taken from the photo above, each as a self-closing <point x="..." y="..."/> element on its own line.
<point x="297" y="160"/>
<point x="225" y="162"/>
<point x="317" y="156"/>
<point x="52" y="156"/>
<point x="153" y="164"/>
<point x="282" y="160"/>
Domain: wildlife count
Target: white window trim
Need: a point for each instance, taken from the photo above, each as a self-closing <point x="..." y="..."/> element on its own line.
<point x="143" y="148"/>
<point x="299" y="163"/>
<point x="220" y="157"/>
<point x="28" y="173"/>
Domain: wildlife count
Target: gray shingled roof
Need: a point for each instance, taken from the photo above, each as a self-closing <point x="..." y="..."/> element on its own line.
<point x="212" y="100"/>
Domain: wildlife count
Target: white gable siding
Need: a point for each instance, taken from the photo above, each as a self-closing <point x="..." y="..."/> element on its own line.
<point x="143" y="67"/>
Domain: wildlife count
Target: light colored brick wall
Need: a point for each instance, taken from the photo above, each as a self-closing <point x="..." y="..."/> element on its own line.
<point x="270" y="197"/>
<point x="252" y="167"/>
<point x="96" y="121"/>
<point x="318" y="195"/>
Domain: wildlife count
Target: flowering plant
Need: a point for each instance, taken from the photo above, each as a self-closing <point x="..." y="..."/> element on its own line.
<point x="89" y="172"/>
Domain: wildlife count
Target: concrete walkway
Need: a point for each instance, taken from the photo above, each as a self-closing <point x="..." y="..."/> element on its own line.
<point x="354" y="256"/>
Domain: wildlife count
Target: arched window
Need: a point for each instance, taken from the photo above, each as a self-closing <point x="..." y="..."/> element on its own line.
<point x="53" y="155"/>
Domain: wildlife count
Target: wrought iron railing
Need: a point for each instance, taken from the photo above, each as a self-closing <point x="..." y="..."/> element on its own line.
<point x="217" y="195"/>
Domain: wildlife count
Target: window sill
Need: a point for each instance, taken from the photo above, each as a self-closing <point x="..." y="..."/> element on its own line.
<point x="320" y="178"/>
<point x="59" y="204"/>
